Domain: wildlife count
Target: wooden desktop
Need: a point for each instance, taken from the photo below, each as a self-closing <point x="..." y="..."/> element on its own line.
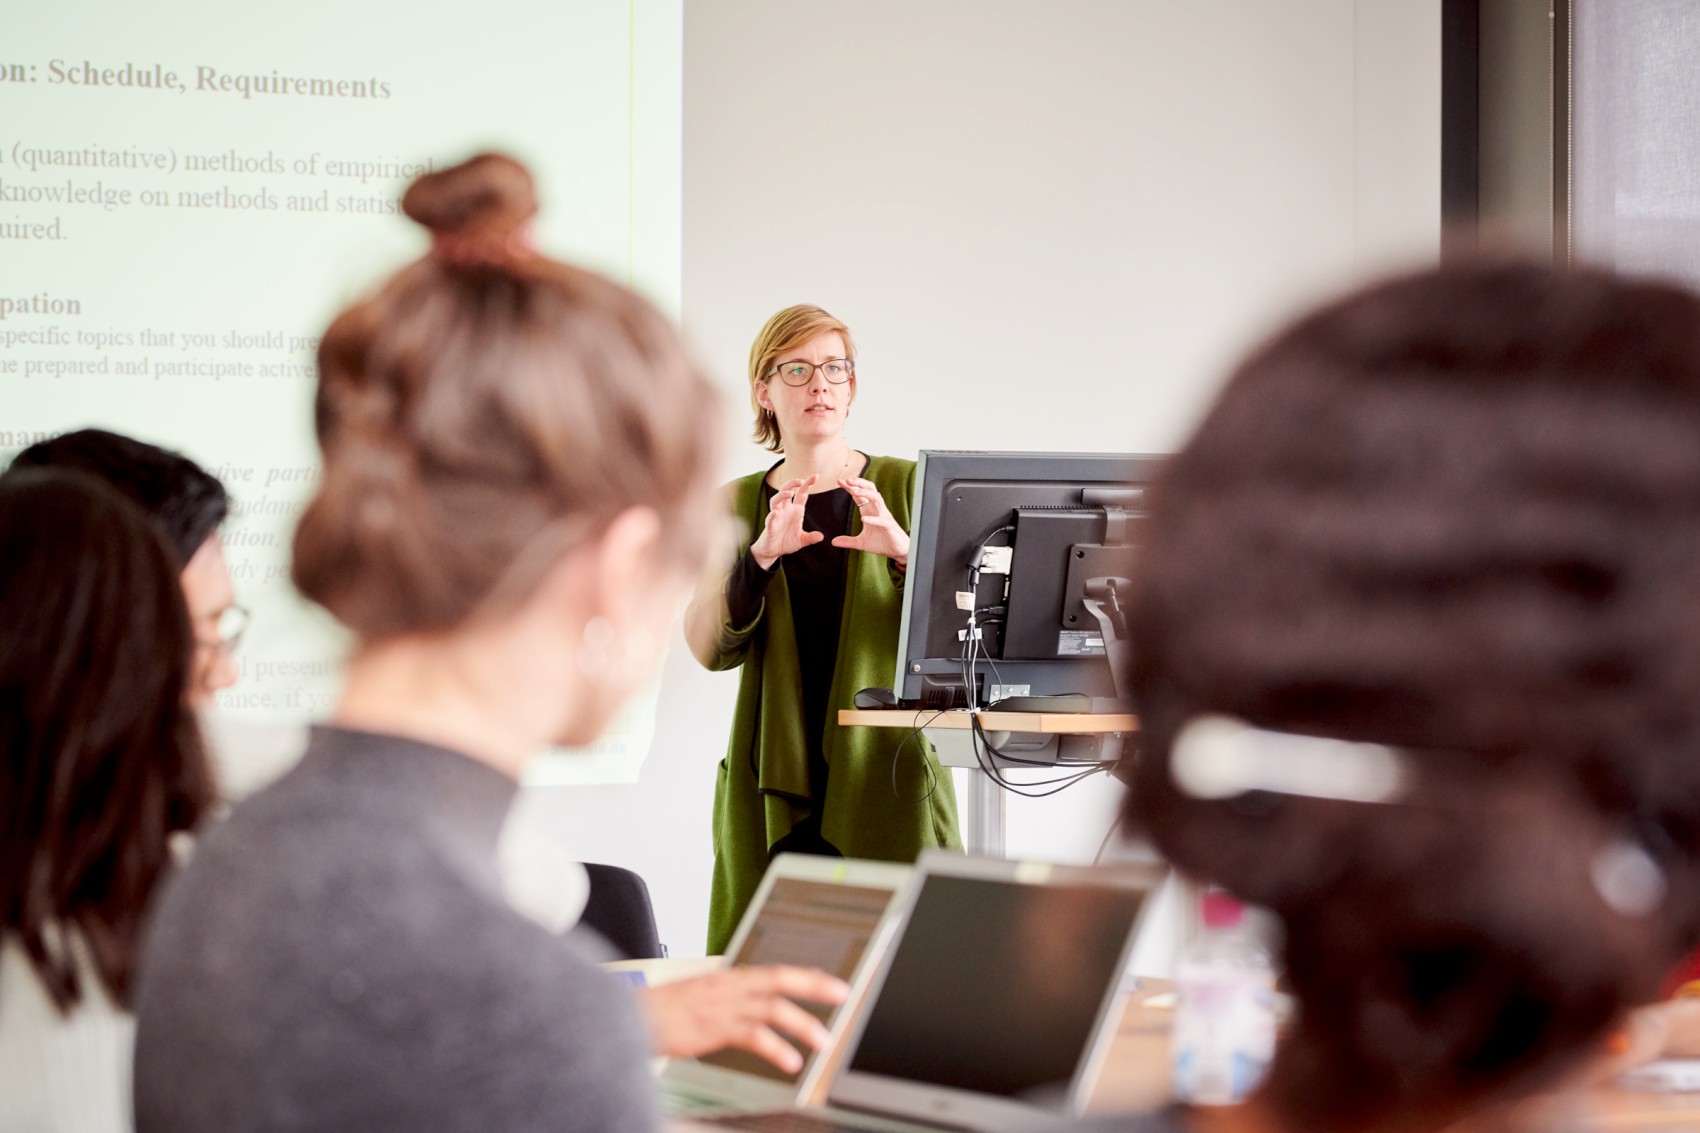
<point x="1136" y="1078"/>
<point x="1136" y="1071"/>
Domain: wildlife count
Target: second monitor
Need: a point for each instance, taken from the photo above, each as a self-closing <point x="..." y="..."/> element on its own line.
<point x="1019" y="564"/>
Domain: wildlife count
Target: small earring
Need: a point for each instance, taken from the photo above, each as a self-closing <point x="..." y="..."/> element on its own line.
<point x="1627" y="878"/>
<point x="603" y="656"/>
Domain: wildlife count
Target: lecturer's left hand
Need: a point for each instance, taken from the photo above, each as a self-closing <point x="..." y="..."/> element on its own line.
<point x="881" y="534"/>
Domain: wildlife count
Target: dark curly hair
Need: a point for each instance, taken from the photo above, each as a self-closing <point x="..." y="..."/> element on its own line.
<point x="1457" y="512"/>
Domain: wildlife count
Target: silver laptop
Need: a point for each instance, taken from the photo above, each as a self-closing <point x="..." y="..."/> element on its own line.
<point x="993" y="1006"/>
<point x="826" y="913"/>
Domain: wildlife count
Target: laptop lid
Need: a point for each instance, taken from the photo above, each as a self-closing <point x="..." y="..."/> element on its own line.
<point x="816" y="912"/>
<point x="998" y="997"/>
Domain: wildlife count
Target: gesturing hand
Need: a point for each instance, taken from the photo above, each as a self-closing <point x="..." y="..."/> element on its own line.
<point x="744" y="1008"/>
<point x="783" y="532"/>
<point x="881" y="534"/>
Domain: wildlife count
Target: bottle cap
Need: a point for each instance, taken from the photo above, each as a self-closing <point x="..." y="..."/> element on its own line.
<point x="1221" y="910"/>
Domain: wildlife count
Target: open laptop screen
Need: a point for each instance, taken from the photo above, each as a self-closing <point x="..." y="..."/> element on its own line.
<point x="996" y="986"/>
<point x="815" y="924"/>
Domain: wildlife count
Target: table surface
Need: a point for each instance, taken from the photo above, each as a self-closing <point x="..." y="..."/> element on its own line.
<point x="1136" y="1077"/>
<point x="1136" y="1070"/>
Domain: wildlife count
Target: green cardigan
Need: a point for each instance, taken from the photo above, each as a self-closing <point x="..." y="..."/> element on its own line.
<point x="881" y="802"/>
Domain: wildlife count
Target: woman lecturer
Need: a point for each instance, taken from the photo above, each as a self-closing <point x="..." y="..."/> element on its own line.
<point x="811" y="611"/>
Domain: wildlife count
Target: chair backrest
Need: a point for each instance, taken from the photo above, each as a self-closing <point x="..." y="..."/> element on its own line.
<point x="619" y="909"/>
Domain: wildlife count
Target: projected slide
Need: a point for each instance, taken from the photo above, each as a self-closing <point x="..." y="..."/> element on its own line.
<point x="189" y="190"/>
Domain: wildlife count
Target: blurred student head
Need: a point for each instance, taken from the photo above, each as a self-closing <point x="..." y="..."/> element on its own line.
<point x="512" y="446"/>
<point x="1458" y="514"/>
<point x="189" y="503"/>
<point x="101" y="762"/>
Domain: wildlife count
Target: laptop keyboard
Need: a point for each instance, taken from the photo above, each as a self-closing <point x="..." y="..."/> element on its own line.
<point x="785" y="1122"/>
<point x="682" y="1103"/>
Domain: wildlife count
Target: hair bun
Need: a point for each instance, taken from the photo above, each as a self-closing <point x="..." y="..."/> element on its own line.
<point x="485" y="198"/>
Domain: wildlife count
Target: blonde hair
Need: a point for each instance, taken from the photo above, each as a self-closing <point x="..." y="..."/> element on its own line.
<point x="785" y="332"/>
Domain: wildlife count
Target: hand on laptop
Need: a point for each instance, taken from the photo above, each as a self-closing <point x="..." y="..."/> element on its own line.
<point x="741" y="1007"/>
<point x="1662" y="1030"/>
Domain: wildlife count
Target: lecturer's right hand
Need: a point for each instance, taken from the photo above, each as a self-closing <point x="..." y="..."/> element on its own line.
<point x="744" y="1008"/>
<point x="783" y="532"/>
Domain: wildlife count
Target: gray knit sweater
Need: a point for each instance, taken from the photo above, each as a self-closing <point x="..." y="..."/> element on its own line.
<point x="339" y="956"/>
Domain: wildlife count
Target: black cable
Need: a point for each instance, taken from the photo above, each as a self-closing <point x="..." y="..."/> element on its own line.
<point x="993" y="664"/>
<point x="994" y="533"/>
<point x="1093" y="764"/>
<point x="970" y="643"/>
<point x="1063" y="785"/>
<point x="897" y="757"/>
<point x="988" y="765"/>
<point x="986" y="755"/>
<point x="982" y="741"/>
<point x="980" y="731"/>
<point x="972" y="634"/>
<point x="1108" y="834"/>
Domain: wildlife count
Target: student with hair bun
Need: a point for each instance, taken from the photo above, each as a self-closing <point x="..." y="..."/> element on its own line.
<point x="515" y="502"/>
<point x="1452" y="519"/>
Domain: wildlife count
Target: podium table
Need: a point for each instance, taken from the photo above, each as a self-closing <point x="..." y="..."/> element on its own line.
<point x="950" y="732"/>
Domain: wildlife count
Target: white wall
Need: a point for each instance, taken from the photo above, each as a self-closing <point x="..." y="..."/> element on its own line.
<point x="1051" y="223"/>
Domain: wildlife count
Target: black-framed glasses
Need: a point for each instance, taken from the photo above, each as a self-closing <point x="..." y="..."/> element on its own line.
<point x="232" y="624"/>
<point x="799" y="373"/>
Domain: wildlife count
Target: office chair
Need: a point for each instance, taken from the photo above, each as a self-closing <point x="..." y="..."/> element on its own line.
<point x="619" y="909"/>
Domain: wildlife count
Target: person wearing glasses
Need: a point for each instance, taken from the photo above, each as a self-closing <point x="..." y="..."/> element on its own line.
<point x="189" y="504"/>
<point x="102" y="768"/>
<point x="811" y="610"/>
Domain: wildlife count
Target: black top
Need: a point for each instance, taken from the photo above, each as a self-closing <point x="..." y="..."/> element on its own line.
<point x="814" y="579"/>
<point x="339" y="955"/>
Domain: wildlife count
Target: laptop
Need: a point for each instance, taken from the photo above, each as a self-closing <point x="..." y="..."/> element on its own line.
<point x="817" y="912"/>
<point x="992" y="1007"/>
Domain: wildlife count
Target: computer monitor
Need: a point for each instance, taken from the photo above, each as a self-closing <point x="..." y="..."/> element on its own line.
<point x="1046" y="609"/>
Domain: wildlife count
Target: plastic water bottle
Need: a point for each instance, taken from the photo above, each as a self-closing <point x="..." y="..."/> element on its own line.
<point x="1224" y="1035"/>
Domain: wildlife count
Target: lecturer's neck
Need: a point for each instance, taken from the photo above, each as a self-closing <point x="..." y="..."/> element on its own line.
<point x="829" y="459"/>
